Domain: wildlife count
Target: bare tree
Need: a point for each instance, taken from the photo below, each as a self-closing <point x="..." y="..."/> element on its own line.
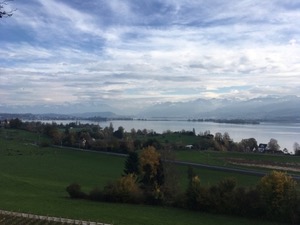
<point x="3" y="12"/>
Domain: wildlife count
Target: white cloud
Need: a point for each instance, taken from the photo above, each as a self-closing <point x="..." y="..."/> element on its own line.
<point x="195" y="49"/>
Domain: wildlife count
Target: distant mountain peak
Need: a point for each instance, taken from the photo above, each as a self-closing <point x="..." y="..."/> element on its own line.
<point x="272" y="107"/>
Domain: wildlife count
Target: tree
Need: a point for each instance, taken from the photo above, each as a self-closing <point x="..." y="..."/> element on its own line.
<point x="273" y="145"/>
<point x="132" y="164"/>
<point x="218" y="137"/>
<point x="227" y="141"/>
<point x="222" y="195"/>
<point x="193" y="193"/>
<point x="279" y="195"/>
<point x="15" y="123"/>
<point x="119" y="133"/>
<point x="125" y="190"/>
<point x="248" y="144"/>
<point x="3" y="12"/>
<point x="191" y="173"/>
<point x="70" y="139"/>
<point x="226" y="137"/>
<point x="218" y="142"/>
<point x="108" y="131"/>
<point x="149" y="165"/>
<point x="75" y="191"/>
<point x="297" y="148"/>
<point x="133" y="132"/>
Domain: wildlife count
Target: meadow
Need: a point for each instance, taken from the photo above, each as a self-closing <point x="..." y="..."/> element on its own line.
<point x="34" y="179"/>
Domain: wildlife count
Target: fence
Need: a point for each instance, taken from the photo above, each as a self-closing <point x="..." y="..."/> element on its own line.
<point x="50" y="219"/>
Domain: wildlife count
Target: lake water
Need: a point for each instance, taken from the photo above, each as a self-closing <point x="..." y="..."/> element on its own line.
<point x="285" y="133"/>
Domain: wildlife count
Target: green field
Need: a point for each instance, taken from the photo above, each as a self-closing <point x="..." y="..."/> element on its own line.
<point x="220" y="158"/>
<point x="33" y="180"/>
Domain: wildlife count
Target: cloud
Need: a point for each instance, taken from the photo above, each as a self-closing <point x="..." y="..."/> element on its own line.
<point x="148" y="51"/>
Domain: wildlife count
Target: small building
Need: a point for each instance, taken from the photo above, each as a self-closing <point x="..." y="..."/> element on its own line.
<point x="262" y="147"/>
<point x="189" y="146"/>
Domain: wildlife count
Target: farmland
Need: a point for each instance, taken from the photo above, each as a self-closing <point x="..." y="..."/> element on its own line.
<point x="33" y="180"/>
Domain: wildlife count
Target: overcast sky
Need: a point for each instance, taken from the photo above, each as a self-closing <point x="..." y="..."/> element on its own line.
<point x="132" y="53"/>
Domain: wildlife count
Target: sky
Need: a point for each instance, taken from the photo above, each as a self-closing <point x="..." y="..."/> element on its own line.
<point x="130" y="54"/>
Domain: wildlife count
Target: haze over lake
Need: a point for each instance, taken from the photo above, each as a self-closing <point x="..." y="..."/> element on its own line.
<point x="285" y="133"/>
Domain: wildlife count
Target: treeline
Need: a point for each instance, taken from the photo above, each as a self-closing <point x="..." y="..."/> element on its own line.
<point x="230" y="121"/>
<point x="94" y="137"/>
<point x="149" y="179"/>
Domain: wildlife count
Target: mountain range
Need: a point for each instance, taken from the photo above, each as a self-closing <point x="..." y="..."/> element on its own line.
<point x="270" y="108"/>
<point x="285" y="108"/>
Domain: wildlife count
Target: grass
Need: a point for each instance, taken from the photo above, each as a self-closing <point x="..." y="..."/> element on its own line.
<point x="34" y="179"/>
<point x="219" y="158"/>
<point x="22" y="136"/>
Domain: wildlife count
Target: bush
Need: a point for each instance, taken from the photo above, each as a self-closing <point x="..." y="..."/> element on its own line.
<point x="197" y="196"/>
<point x="96" y="195"/>
<point x="74" y="191"/>
<point x="125" y="190"/>
<point x="247" y="203"/>
<point x="275" y="198"/>
<point x="279" y="196"/>
<point x="221" y="196"/>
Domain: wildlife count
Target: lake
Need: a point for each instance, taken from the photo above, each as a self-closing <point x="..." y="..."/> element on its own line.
<point x="285" y="133"/>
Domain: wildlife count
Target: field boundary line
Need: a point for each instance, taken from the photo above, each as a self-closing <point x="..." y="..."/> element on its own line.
<point x="50" y="218"/>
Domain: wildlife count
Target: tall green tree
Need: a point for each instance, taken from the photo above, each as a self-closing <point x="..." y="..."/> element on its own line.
<point x="132" y="164"/>
<point x="119" y="133"/>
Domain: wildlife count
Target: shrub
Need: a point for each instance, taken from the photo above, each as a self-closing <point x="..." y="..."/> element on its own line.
<point x="279" y="196"/>
<point x="74" y="191"/>
<point x="96" y="195"/>
<point x="154" y="196"/>
<point x="124" y="190"/>
<point x="197" y="196"/>
<point x="247" y="203"/>
<point x="222" y="196"/>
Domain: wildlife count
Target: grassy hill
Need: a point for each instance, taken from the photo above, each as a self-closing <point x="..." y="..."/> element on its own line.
<point x="34" y="179"/>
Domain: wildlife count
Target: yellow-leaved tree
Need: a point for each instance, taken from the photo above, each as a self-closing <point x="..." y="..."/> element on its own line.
<point x="125" y="189"/>
<point x="279" y="195"/>
<point x="152" y="175"/>
<point x="149" y="162"/>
